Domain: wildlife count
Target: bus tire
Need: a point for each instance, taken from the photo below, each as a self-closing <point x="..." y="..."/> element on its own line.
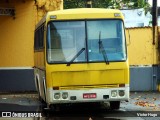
<point x="55" y="107"/>
<point x="114" y="105"/>
<point x="39" y="96"/>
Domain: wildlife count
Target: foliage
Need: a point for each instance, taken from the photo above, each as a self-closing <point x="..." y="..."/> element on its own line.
<point x="114" y="4"/>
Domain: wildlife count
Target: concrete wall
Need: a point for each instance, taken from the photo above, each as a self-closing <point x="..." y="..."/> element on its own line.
<point x="144" y="78"/>
<point x="16" y="35"/>
<point x="143" y="59"/>
<point x="141" y="51"/>
<point x="17" y="40"/>
<point x="17" y="80"/>
<point x="16" y="46"/>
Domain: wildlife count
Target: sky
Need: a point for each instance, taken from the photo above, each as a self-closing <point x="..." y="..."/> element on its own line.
<point x="158" y="1"/>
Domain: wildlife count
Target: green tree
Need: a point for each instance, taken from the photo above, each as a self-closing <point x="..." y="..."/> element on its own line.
<point x="114" y="4"/>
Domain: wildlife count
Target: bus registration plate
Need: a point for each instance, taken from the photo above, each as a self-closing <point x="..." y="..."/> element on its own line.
<point x="89" y="95"/>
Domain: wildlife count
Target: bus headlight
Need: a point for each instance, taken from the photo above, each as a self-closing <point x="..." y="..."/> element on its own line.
<point x="121" y="93"/>
<point x="57" y="95"/>
<point x="65" y="95"/>
<point x="114" y="93"/>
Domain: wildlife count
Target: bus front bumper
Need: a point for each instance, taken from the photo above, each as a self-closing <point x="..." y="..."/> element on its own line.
<point x="91" y="95"/>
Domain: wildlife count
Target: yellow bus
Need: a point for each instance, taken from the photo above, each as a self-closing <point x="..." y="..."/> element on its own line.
<point x="80" y="56"/>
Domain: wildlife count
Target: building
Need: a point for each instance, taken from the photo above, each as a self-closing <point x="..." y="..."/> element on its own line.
<point x="17" y="23"/>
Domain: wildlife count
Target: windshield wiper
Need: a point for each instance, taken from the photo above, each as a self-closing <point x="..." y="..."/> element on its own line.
<point x="69" y="63"/>
<point x="102" y="50"/>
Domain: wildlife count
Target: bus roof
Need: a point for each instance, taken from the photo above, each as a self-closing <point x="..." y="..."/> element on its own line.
<point x="81" y="13"/>
<point x="84" y="11"/>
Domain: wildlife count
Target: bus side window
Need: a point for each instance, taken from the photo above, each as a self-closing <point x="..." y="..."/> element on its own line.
<point x="39" y="38"/>
<point x="36" y="40"/>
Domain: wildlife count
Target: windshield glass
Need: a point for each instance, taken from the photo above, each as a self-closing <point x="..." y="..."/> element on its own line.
<point x="85" y="41"/>
<point x="65" y="40"/>
<point x="111" y="35"/>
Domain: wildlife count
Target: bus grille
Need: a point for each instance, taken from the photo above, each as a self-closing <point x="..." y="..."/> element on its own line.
<point x="87" y="87"/>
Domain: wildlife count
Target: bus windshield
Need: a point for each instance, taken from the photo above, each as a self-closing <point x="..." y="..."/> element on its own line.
<point x="79" y="41"/>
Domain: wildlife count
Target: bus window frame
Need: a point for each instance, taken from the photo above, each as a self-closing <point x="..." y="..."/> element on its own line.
<point x="86" y="38"/>
<point x="40" y="47"/>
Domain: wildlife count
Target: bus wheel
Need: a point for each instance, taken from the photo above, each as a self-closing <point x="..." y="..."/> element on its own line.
<point x="55" y="108"/>
<point x="114" y="105"/>
<point x="39" y="97"/>
<point x="38" y="90"/>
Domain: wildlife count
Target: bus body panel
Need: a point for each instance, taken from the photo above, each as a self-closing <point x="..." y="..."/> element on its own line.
<point x="87" y="74"/>
<point x="83" y="13"/>
<point x="39" y="72"/>
<point x="75" y="96"/>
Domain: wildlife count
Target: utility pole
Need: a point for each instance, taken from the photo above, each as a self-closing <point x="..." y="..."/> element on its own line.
<point x="154" y="19"/>
<point x="155" y="36"/>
